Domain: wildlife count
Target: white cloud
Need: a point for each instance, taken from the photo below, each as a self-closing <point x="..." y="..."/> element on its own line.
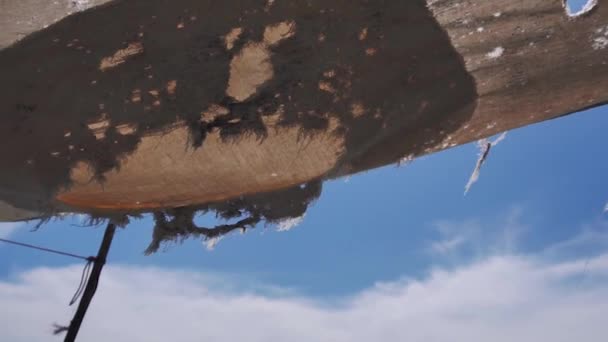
<point x="7" y="228"/>
<point x="501" y="298"/>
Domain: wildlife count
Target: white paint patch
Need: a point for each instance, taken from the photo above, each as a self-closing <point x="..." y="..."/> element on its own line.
<point x="80" y="5"/>
<point x="496" y="53"/>
<point x="406" y="160"/>
<point x="585" y="9"/>
<point x="600" y="43"/>
<point x="290" y="223"/>
<point x="600" y="40"/>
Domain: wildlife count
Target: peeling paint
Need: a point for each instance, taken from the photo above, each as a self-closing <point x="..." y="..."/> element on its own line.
<point x="80" y="5"/>
<point x="121" y="56"/>
<point x="232" y="37"/>
<point x="276" y="33"/>
<point x="496" y="53"/>
<point x="248" y="70"/>
<point x="600" y="39"/>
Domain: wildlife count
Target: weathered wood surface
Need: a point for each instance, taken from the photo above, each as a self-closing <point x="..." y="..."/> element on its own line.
<point x="151" y="104"/>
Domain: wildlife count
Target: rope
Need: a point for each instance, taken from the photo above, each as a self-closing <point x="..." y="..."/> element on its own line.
<point x="84" y="278"/>
<point x="584" y="273"/>
<point x="86" y="272"/>
<point x="59" y="329"/>
<point x="92" y="269"/>
<point x="48" y="250"/>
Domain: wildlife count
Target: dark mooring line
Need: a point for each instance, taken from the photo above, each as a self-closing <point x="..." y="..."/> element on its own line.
<point x="89" y="291"/>
<point x="48" y="250"/>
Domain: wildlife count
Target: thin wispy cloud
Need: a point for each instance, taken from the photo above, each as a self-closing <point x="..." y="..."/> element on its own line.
<point x="8" y="228"/>
<point x="447" y="245"/>
<point x="476" y="238"/>
<point x="593" y="238"/>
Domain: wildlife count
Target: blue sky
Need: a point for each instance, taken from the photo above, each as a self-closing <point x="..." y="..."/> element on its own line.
<point x="577" y="6"/>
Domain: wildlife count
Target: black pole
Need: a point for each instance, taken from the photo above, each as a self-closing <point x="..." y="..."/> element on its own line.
<point x="91" y="287"/>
